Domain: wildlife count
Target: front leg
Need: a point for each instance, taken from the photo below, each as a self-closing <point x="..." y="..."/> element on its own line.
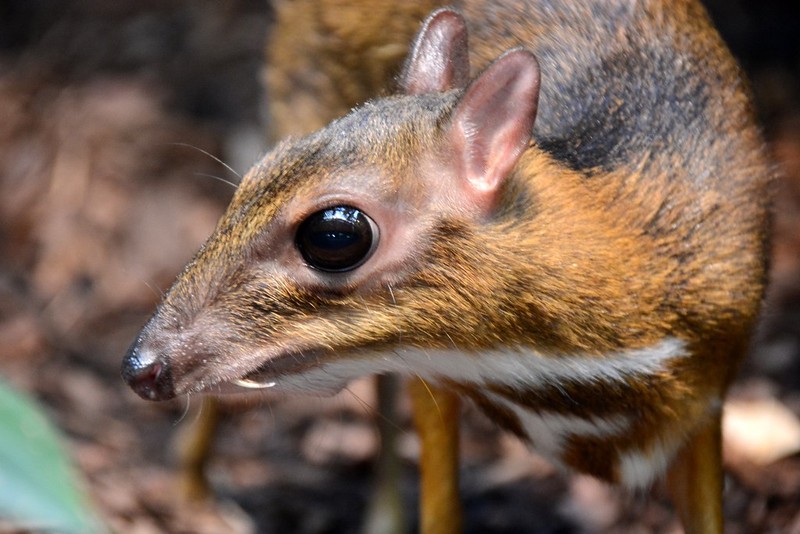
<point x="436" y="418"/>
<point x="695" y="481"/>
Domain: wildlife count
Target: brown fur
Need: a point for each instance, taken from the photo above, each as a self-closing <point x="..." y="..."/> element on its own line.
<point x="639" y="213"/>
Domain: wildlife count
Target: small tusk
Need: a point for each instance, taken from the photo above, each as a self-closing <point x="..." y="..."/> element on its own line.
<point x="252" y="384"/>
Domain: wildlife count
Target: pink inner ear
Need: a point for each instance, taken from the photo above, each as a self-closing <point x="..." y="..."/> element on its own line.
<point x="492" y="124"/>
<point x="439" y="57"/>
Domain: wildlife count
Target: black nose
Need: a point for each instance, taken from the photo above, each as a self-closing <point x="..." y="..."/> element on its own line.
<point x="147" y="373"/>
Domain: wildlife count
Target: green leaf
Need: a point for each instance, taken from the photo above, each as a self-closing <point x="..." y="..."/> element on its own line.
<point x="38" y="486"/>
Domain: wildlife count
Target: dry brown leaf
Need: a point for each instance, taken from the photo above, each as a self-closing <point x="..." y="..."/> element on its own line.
<point x="761" y="431"/>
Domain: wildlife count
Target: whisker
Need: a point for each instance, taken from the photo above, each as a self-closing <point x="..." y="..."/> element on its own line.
<point x="185" y="411"/>
<point x="394" y="301"/>
<point x="373" y="409"/>
<point x="433" y="398"/>
<point x="156" y="291"/>
<point x="218" y="178"/>
<point x="451" y="340"/>
<point x="365" y="304"/>
<point x="210" y="155"/>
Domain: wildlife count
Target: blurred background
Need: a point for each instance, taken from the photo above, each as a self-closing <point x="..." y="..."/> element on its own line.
<point x="112" y="117"/>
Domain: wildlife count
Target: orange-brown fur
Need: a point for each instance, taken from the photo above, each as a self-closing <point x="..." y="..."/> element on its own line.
<point x="365" y="27"/>
<point x="609" y="236"/>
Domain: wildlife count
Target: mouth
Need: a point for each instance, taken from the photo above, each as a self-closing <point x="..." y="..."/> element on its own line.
<point x="269" y="374"/>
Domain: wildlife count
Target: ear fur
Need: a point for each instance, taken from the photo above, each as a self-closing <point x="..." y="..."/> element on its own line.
<point x="491" y="125"/>
<point x="439" y="58"/>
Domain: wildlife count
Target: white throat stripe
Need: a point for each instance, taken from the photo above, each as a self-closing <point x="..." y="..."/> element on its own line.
<point x="509" y="367"/>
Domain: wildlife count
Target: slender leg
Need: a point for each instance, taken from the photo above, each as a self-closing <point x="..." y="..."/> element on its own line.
<point x="194" y="448"/>
<point x="385" y="512"/>
<point x="695" y="481"/>
<point x="436" y="417"/>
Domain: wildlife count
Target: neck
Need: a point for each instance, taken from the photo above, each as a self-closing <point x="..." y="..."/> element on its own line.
<point x="562" y="269"/>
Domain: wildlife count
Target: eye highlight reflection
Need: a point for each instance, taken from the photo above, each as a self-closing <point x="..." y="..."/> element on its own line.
<point x="337" y="239"/>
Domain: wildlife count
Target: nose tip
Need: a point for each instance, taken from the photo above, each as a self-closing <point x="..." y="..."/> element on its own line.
<point x="146" y="373"/>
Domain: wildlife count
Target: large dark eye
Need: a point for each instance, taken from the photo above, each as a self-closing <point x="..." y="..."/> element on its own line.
<point x="337" y="239"/>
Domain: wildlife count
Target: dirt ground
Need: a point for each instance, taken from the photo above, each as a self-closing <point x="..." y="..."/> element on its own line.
<point x="112" y="117"/>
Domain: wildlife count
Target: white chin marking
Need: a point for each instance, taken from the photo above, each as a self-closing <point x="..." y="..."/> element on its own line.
<point x="517" y="367"/>
<point x="313" y="383"/>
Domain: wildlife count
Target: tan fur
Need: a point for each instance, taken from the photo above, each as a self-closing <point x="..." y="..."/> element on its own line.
<point x="601" y="244"/>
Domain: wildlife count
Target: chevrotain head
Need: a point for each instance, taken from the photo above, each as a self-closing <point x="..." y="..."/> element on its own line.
<point x="373" y="233"/>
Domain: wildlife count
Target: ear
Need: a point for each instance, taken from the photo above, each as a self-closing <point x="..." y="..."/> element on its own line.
<point x="439" y="57"/>
<point x="491" y="125"/>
